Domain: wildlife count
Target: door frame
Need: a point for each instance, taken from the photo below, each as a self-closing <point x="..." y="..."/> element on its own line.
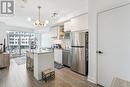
<point x="97" y="29"/>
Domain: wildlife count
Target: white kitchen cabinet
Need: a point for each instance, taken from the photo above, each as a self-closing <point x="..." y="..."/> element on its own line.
<point x="79" y="23"/>
<point x="58" y="56"/>
<point x="57" y="32"/>
<point x="67" y="26"/>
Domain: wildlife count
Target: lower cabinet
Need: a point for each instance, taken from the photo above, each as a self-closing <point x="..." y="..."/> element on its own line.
<point x="4" y="60"/>
<point x="58" y="56"/>
<point x="62" y="57"/>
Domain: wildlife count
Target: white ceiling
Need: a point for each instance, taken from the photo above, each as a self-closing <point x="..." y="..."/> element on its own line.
<point x="65" y="9"/>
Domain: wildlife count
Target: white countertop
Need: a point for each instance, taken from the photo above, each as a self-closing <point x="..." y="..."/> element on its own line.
<point x="41" y="51"/>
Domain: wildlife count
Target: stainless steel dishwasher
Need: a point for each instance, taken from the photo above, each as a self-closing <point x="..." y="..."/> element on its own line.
<point x="66" y="58"/>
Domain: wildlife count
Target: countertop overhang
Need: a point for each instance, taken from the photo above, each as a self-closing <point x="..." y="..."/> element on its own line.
<point x="41" y="52"/>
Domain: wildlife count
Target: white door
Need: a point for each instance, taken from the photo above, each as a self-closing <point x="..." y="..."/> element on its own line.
<point x="114" y="42"/>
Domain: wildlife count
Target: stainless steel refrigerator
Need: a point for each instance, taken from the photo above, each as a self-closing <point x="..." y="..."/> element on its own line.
<point x="78" y="49"/>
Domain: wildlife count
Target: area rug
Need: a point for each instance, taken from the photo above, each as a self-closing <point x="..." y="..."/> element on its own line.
<point x="20" y="60"/>
<point x="58" y="66"/>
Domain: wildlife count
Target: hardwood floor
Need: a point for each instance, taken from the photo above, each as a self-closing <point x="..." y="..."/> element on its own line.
<point x="18" y="76"/>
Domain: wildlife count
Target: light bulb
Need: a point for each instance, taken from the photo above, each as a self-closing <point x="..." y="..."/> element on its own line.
<point x="47" y="22"/>
<point x="29" y="19"/>
<point x="37" y="21"/>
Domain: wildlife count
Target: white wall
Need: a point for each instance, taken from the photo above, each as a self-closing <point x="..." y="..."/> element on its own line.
<point x="4" y="28"/>
<point x="46" y="40"/>
<point x="94" y="7"/>
<point x="44" y="37"/>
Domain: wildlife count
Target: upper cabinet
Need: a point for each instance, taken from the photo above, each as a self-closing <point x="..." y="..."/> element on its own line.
<point x="57" y="32"/>
<point x="77" y="23"/>
<point x="67" y="26"/>
<point x="80" y="23"/>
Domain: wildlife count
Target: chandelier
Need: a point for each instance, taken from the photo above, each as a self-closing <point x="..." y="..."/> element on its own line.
<point x="39" y="22"/>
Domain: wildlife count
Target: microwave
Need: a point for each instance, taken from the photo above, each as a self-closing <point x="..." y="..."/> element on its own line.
<point x="67" y="35"/>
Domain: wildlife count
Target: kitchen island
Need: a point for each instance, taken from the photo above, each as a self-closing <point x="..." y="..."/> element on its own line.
<point x="42" y="60"/>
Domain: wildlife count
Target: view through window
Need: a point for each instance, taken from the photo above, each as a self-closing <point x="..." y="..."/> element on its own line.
<point x="18" y="42"/>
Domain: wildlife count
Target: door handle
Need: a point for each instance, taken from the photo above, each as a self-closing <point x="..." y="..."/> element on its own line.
<point x="99" y="52"/>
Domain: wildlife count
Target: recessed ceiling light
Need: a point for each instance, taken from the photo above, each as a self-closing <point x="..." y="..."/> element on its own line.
<point x="29" y="19"/>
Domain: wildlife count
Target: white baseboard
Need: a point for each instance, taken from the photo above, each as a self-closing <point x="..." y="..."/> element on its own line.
<point x="91" y="79"/>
